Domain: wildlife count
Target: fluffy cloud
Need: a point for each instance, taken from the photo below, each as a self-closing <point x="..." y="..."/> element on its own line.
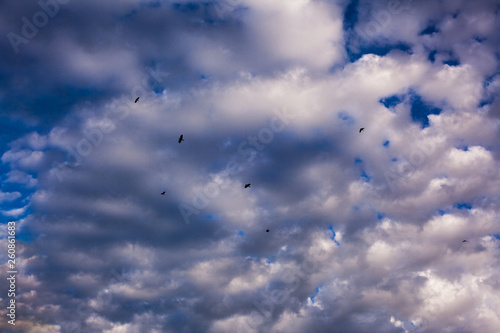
<point x="366" y="229"/>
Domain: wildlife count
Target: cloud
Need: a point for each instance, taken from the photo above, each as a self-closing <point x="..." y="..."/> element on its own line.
<point x="20" y="177"/>
<point x="15" y="212"/>
<point x="366" y="229"/>
<point x="9" y="196"/>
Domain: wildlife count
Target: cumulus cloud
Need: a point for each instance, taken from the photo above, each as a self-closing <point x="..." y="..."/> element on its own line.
<point x="366" y="229"/>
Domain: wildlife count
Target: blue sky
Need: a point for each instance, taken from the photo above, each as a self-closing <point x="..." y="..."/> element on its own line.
<point x="365" y="229"/>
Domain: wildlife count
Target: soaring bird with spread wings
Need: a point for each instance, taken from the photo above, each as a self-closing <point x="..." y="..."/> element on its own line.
<point x="247" y="185"/>
<point x="181" y="138"/>
<point x="137" y="100"/>
<point x="361" y="129"/>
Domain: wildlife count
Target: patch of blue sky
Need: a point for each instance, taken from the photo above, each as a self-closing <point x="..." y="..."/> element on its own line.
<point x="15" y="187"/>
<point x="432" y="56"/>
<point x="365" y="176"/>
<point x="429" y="30"/>
<point x="376" y="48"/>
<point x="12" y="200"/>
<point x="484" y="102"/>
<point x="52" y="108"/>
<point x="488" y="98"/>
<point x="451" y="59"/>
<point x="391" y="101"/>
<point x="358" y="43"/>
<point x="271" y="259"/>
<point x="18" y="201"/>
<point x="452" y="62"/>
<point x="420" y="110"/>
<point x="10" y="130"/>
<point x="316" y="292"/>
<point x="463" y="205"/>
<point x="333" y="234"/>
<point x="351" y="15"/>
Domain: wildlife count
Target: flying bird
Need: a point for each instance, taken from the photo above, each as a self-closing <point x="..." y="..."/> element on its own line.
<point x="361" y="129"/>
<point x="181" y="138"/>
<point x="163" y="193"/>
<point x="464" y="241"/>
<point x="267" y="230"/>
<point x="247" y="185"/>
<point x="137" y="100"/>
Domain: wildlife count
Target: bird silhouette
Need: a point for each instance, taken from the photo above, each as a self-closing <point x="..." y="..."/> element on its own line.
<point x="163" y="193"/>
<point x="464" y="241"/>
<point x="247" y="185"/>
<point x="137" y="100"/>
<point x="361" y="129"/>
<point x="267" y="230"/>
<point x="181" y="138"/>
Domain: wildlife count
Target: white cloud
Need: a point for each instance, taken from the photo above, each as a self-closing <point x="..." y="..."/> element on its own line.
<point x="268" y="87"/>
<point x="9" y="196"/>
